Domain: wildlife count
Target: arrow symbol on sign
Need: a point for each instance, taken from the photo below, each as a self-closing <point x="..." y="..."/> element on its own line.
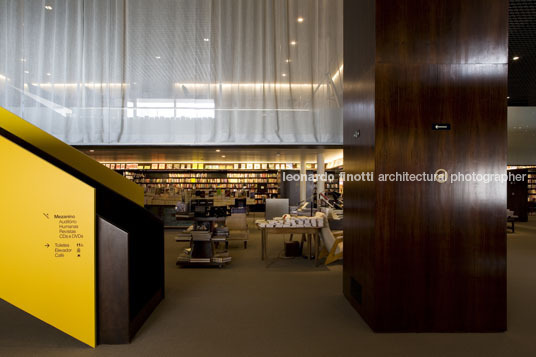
<point x="46" y="215"/>
<point x="47" y="245"/>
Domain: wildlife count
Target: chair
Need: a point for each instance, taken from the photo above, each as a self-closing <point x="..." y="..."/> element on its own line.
<point x="511" y="218"/>
<point x="240" y="206"/>
<point x="332" y="242"/>
<point x="238" y="223"/>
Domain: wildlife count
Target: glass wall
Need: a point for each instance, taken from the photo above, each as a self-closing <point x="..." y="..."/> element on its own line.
<point x="175" y="71"/>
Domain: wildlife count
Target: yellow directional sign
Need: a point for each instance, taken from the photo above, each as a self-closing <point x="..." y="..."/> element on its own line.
<point x="47" y="243"/>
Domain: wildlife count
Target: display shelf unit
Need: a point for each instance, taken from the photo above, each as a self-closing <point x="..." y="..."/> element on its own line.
<point x="334" y="185"/>
<point x="259" y="185"/>
<point x="522" y="194"/>
<point x="531" y="191"/>
<point x="258" y="181"/>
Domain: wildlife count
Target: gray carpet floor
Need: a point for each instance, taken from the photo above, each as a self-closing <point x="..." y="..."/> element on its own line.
<point x="290" y="308"/>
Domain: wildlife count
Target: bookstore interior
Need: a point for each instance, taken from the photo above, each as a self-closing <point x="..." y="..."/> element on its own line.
<point x="198" y="170"/>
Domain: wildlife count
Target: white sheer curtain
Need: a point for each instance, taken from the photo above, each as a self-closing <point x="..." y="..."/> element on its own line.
<point x="175" y="71"/>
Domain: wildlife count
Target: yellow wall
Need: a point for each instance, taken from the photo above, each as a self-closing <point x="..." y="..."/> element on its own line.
<point x="59" y="290"/>
<point x="69" y="155"/>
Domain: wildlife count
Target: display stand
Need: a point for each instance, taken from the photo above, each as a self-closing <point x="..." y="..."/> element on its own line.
<point x="202" y="251"/>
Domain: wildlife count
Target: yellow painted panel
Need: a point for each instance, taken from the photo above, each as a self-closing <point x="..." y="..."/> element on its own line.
<point x="69" y="155"/>
<point x="46" y="216"/>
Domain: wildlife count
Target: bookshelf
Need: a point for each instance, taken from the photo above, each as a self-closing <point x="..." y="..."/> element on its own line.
<point x="335" y="184"/>
<point x="259" y="185"/>
<point x="164" y="183"/>
<point x="522" y="194"/>
<point x="257" y="181"/>
<point x="531" y="191"/>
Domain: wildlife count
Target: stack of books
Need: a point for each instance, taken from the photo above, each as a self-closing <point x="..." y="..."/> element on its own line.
<point x="183" y="258"/>
<point x="221" y="232"/>
<point x="184" y="236"/>
<point x="201" y="235"/>
<point x="221" y="258"/>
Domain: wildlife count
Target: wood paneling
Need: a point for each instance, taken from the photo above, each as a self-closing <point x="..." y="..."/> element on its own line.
<point x="113" y="284"/>
<point x="433" y="31"/>
<point x="359" y="201"/>
<point x="428" y="256"/>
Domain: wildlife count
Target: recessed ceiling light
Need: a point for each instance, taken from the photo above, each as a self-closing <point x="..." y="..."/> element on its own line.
<point x="157" y="57"/>
<point x="26" y="72"/>
<point x="23" y="59"/>
<point x="300" y="19"/>
<point x="91" y="150"/>
<point x="48" y="7"/>
<point x="49" y="74"/>
<point x="293" y="43"/>
<point x="288" y="60"/>
<point x="223" y="156"/>
<point x="507" y="97"/>
<point x="218" y="150"/>
<point x="206" y="39"/>
<point x="515" y="58"/>
<point x="284" y="74"/>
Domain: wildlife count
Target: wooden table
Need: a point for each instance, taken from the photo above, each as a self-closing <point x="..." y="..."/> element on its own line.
<point x="309" y="232"/>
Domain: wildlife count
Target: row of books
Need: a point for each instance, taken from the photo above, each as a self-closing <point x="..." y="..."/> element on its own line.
<point x="201" y="235"/>
<point x="291" y="222"/>
<point x="216" y="259"/>
<point x="252" y="175"/>
<point x="203" y="166"/>
<point x="190" y="175"/>
<point x="222" y="258"/>
<point x="194" y="180"/>
<point x="211" y="186"/>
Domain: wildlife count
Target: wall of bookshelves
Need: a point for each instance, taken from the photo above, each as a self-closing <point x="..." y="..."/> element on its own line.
<point x="257" y="181"/>
<point x="165" y="182"/>
<point x="258" y="185"/>
<point x="522" y="195"/>
<point x="531" y="186"/>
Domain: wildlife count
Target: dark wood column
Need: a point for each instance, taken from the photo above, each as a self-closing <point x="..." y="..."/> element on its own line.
<point x="426" y="256"/>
